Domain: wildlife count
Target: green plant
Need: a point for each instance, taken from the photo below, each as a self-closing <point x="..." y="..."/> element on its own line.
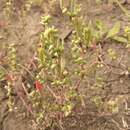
<point x="2" y="74"/>
<point x="55" y="92"/>
<point x="127" y="35"/>
<point x="12" y="61"/>
<point x="8" y="10"/>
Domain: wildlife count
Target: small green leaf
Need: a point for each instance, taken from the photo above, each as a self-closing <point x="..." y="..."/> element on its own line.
<point x="99" y="25"/>
<point x="113" y="106"/>
<point x="115" y="30"/>
<point x="67" y="109"/>
<point x="112" y="53"/>
<point x="2" y="73"/>
<point x="98" y="1"/>
<point x="98" y="101"/>
<point x="120" y="39"/>
<point x="62" y="64"/>
<point x="41" y="55"/>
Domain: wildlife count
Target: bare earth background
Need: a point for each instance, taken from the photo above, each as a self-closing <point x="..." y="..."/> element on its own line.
<point x="27" y="38"/>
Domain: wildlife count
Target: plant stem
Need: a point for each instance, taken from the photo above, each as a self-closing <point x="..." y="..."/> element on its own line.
<point x="123" y="9"/>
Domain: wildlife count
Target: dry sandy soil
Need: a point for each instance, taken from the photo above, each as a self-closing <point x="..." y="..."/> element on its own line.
<point x="26" y="37"/>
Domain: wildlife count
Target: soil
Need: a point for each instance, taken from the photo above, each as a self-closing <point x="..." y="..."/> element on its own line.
<point x="26" y="36"/>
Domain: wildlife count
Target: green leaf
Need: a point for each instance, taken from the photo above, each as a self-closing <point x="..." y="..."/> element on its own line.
<point x="98" y="1"/>
<point x="41" y="55"/>
<point x="115" y="30"/>
<point x="98" y="101"/>
<point x="62" y="64"/>
<point x="112" y="53"/>
<point x="2" y="74"/>
<point x="120" y="39"/>
<point x="99" y="24"/>
<point x="67" y="109"/>
<point x="113" y="106"/>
